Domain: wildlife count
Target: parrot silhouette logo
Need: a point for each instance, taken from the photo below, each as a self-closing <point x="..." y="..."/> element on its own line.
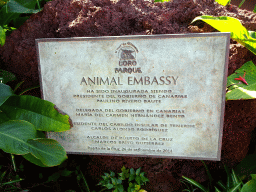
<point x="127" y="54"/>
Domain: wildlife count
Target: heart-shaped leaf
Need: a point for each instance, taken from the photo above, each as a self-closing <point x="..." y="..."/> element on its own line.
<point x="239" y="90"/>
<point x="41" y="113"/>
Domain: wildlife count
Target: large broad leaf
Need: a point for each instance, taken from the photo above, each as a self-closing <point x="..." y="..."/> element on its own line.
<point x="2" y="36"/>
<point x="6" y="76"/>
<point x="14" y="8"/>
<point x="45" y="152"/>
<point x="239" y="90"/>
<point x="33" y="160"/>
<point x="5" y="92"/>
<point x="229" y="24"/>
<point x="250" y="185"/>
<point x="42" y="114"/>
<point x="222" y="2"/>
<point x="22" y="6"/>
<point x="14" y="136"/>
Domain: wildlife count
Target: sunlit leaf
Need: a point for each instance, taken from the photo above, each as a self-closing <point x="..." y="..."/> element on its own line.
<point x="2" y="36"/>
<point x="229" y="24"/>
<point x="239" y="90"/>
<point x="222" y="2"/>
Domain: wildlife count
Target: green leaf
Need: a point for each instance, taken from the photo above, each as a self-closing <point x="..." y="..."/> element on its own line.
<point x="5" y="93"/>
<point x="120" y="188"/>
<point x="7" y="76"/>
<point x="242" y="2"/>
<point x="14" y="136"/>
<point x="222" y="2"/>
<point x="22" y="6"/>
<point x="229" y="179"/>
<point x="249" y="186"/>
<point x="193" y="182"/>
<point x="49" y="151"/>
<point x="222" y="185"/>
<point x="161" y="1"/>
<point x="6" y="18"/>
<point x="2" y="36"/>
<point x="229" y="24"/>
<point x="216" y="189"/>
<point x="33" y="160"/>
<point x="109" y="186"/>
<point x="254" y="10"/>
<point x="144" y="179"/>
<point x="41" y="113"/>
<point x="138" y="179"/>
<point x="253" y="176"/>
<point x="239" y="90"/>
<point x="246" y="167"/>
<point x="138" y="171"/>
<point x="234" y="189"/>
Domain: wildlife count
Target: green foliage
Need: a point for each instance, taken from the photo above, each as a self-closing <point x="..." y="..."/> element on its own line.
<point x="162" y="1"/>
<point x="223" y="2"/>
<point x="13" y="13"/>
<point x="128" y="180"/>
<point x="246" y="167"/>
<point x="8" y="180"/>
<point x="237" y="31"/>
<point x="238" y="89"/>
<point x="22" y="120"/>
<point x="233" y="183"/>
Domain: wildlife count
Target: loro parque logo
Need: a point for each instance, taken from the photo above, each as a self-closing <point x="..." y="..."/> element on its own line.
<point x="127" y="53"/>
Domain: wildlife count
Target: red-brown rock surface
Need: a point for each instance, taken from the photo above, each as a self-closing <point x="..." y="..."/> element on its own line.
<point x="80" y="18"/>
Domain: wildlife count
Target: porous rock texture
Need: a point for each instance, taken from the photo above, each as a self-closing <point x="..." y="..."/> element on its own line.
<point x="83" y="18"/>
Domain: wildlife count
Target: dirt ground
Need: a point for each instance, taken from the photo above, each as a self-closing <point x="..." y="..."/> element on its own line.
<point x="78" y="18"/>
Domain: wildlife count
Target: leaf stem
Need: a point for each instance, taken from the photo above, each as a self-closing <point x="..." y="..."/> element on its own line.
<point x="13" y="163"/>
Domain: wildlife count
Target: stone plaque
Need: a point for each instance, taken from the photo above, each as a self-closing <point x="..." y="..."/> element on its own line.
<point x="155" y="95"/>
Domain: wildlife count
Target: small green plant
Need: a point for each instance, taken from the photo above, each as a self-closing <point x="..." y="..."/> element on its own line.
<point x="128" y="180"/>
<point x="23" y="121"/>
<point x="9" y="181"/>
<point x="233" y="183"/>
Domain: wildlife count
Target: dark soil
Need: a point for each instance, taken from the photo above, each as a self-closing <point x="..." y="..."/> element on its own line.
<point x="78" y="18"/>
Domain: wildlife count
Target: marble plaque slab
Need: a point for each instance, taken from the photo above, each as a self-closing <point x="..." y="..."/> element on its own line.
<point x="154" y="96"/>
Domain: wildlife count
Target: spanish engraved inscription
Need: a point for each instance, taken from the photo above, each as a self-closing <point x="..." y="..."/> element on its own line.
<point x="159" y="95"/>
